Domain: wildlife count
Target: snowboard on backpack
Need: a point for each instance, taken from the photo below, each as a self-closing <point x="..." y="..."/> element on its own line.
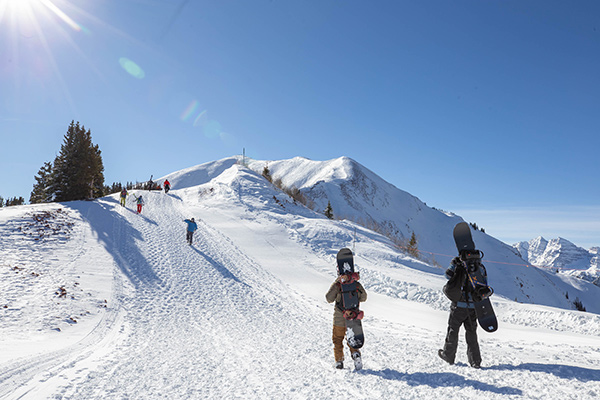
<point x="350" y="302"/>
<point x="476" y="277"/>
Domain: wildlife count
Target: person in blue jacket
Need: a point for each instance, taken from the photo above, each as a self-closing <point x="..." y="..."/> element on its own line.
<point x="191" y="228"/>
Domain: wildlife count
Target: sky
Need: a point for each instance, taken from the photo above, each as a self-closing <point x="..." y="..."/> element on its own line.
<point x="485" y="108"/>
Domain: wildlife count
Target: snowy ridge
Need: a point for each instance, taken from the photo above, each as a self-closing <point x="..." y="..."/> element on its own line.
<point x="241" y="313"/>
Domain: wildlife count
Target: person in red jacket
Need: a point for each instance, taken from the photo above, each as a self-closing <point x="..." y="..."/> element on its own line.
<point x="167" y="185"/>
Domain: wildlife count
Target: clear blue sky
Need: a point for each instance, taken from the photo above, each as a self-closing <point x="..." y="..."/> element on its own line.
<point x="487" y="108"/>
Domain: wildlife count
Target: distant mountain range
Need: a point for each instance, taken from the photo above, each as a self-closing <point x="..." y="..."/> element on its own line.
<point x="563" y="255"/>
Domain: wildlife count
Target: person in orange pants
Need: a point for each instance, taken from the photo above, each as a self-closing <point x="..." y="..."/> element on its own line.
<point x="339" y="324"/>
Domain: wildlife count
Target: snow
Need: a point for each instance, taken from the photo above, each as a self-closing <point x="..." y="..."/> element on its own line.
<point x="242" y="312"/>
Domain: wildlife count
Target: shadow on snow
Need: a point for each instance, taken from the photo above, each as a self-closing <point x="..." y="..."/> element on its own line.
<point x="560" y="371"/>
<point x="117" y="235"/>
<point x="220" y="268"/>
<point x="441" y="379"/>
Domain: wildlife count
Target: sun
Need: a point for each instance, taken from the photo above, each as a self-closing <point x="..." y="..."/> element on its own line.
<point x="29" y="12"/>
<point x="19" y="9"/>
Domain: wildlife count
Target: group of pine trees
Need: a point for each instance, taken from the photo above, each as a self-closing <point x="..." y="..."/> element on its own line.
<point x="77" y="172"/>
<point x="15" y="201"/>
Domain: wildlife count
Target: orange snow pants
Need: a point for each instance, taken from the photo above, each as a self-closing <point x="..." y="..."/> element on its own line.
<point x="339" y="332"/>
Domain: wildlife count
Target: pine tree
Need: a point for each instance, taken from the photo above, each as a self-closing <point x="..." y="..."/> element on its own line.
<point x="41" y="192"/>
<point x="78" y="171"/>
<point x="15" y="201"/>
<point x="329" y="210"/>
<point x="267" y="174"/>
<point x="413" y="248"/>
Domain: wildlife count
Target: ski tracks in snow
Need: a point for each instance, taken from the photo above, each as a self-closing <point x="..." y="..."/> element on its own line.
<point x="210" y="322"/>
<point x="32" y="377"/>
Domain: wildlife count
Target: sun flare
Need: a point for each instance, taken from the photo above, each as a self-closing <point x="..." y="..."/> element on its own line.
<point x="28" y="12"/>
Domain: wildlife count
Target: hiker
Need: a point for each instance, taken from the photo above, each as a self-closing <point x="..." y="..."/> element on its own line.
<point x="167" y="185"/>
<point x="123" y="196"/>
<point x="140" y="203"/>
<point x="339" y="323"/>
<point x="462" y="312"/>
<point x="191" y="228"/>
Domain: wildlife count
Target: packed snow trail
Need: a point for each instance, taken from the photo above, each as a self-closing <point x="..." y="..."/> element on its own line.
<point x="193" y="308"/>
<point x="242" y="314"/>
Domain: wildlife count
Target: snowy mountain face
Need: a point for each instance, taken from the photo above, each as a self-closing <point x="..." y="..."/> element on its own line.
<point x="358" y="194"/>
<point x="99" y="302"/>
<point x="562" y="254"/>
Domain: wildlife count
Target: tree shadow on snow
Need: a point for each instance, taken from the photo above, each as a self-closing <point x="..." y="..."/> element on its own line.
<point x="117" y="235"/>
<point x="220" y="268"/>
<point x="441" y="379"/>
<point x="560" y="371"/>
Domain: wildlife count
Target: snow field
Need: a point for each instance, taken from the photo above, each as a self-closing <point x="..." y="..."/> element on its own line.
<point x="242" y="314"/>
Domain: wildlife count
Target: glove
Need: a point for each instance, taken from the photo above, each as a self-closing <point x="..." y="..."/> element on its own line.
<point x="457" y="262"/>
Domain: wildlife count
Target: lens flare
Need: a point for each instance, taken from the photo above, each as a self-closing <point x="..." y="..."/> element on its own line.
<point x="132" y="68"/>
<point x="200" y="119"/>
<point x="189" y="110"/>
<point x="212" y="129"/>
<point x="60" y="14"/>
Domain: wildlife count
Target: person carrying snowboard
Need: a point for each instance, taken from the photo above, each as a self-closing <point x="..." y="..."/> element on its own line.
<point x="167" y="185"/>
<point x="339" y="323"/>
<point x="123" y="196"/>
<point x="191" y="228"/>
<point x="462" y="312"/>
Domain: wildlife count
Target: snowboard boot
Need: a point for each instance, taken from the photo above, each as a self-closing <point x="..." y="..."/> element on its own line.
<point x="339" y="365"/>
<point x="444" y="357"/>
<point x="357" y="361"/>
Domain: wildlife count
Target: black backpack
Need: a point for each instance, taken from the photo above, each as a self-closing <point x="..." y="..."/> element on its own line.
<point x="453" y="289"/>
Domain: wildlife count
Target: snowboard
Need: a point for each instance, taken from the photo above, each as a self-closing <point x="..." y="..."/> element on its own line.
<point x="471" y="259"/>
<point x="350" y="302"/>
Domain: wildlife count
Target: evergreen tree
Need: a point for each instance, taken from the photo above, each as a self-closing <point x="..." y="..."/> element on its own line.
<point x="267" y="173"/>
<point x="78" y="171"/>
<point x="41" y="192"/>
<point x="413" y="248"/>
<point x="329" y="210"/>
<point x="115" y="188"/>
<point x="15" y="201"/>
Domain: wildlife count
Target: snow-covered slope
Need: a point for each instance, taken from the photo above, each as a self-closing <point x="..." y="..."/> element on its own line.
<point x="242" y="314"/>
<point x="357" y="193"/>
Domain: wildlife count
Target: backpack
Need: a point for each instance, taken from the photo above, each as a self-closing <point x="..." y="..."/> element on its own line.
<point x="453" y="289"/>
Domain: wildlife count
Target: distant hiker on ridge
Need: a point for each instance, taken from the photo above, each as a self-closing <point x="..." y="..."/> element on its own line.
<point x="167" y="185"/>
<point x="123" y="196"/>
<point x="150" y="184"/>
<point x="191" y="228"/>
<point x="140" y="203"/>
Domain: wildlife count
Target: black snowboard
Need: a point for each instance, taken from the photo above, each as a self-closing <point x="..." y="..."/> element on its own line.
<point x="350" y="302"/>
<point x="471" y="259"/>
